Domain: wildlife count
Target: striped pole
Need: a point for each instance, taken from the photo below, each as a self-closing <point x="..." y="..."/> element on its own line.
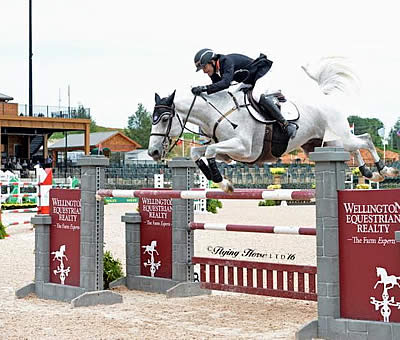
<point x="33" y="195"/>
<point x="253" y="228"/>
<point x="279" y="194"/>
<point x="45" y="179"/>
<point x="21" y="184"/>
<point x="17" y="223"/>
<point x="19" y="211"/>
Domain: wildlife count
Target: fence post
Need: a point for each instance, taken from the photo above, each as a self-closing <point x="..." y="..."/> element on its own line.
<point x="182" y="237"/>
<point x="92" y="221"/>
<point x="330" y="177"/>
<point x="182" y="215"/>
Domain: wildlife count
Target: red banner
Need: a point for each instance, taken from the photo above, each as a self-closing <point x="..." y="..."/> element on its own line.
<point x="369" y="256"/>
<point x="65" y="212"/>
<point x="156" y="236"/>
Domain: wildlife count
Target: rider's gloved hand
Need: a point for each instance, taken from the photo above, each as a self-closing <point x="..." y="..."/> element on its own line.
<point x="198" y="90"/>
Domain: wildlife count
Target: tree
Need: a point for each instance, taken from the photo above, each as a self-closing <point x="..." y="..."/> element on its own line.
<point x="139" y="126"/>
<point x="81" y="112"/>
<point x="394" y="136"/>
<point x="367" y="125"/>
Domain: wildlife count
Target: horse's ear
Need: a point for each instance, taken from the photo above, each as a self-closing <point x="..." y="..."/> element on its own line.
<point x="171" y="98"/>
<point x="157" y="98"/>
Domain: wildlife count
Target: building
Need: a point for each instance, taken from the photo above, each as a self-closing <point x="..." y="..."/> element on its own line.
<point x="22" y="135"/>
<point x="115" y="141"/>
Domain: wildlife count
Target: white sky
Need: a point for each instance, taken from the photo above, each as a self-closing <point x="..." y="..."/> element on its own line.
<point x="116" y="54"/>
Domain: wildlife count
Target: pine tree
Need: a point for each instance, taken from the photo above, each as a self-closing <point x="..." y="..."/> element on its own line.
<point x="139" y="126"/>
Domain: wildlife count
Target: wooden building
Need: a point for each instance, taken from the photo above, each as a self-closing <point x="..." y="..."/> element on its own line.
<point x="22" y="135"/>
<point x="115" y="141"/>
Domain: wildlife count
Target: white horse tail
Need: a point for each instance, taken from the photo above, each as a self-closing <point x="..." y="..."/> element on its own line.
<point x="334" y="75"/>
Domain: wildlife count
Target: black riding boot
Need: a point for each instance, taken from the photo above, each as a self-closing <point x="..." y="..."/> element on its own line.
<point x="268" y="105"/>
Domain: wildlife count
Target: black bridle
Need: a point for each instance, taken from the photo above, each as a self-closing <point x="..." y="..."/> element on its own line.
<point x="170" y="110"/>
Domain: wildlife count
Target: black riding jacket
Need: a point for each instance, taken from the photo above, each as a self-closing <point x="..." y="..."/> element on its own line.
<point x="231" y="68"/>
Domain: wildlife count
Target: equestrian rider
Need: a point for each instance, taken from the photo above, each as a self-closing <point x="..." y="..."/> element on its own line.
<point x="223" y="69"/>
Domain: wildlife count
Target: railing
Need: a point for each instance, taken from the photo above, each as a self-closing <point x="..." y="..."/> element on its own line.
<point x="54" y="111"/>
<point x="140" y="175"/>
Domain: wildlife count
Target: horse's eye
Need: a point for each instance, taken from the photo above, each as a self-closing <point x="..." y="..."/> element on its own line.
<point x="165" y="119"/>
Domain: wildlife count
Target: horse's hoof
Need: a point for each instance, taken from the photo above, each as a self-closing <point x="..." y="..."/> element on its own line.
<point x="226" y="186"/>
<point x="376" y="177"/>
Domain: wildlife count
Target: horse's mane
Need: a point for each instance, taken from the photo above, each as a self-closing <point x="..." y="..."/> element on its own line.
<point x="334" y="74"/>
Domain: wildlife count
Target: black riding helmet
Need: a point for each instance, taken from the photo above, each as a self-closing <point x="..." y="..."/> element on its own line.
<point x="203" y="57"/>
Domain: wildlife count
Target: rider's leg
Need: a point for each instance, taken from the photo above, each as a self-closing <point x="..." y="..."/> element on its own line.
<point x="269" y="107"/>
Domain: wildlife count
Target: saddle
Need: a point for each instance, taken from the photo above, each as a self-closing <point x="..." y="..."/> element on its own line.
<point x="278" y="98"/>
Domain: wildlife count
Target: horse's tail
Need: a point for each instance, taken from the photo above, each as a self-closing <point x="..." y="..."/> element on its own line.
<point x="334" y="75"/>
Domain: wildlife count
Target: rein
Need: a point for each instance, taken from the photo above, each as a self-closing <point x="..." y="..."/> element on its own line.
<point x="182" y="125"/>
<point x="171" y="110"/>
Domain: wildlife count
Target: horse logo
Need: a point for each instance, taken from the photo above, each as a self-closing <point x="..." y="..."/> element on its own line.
<point x="149" y="249"/>
<point x="388" y="282"/>
<point x="59" y="254"/>
<point x="386" y="279"/>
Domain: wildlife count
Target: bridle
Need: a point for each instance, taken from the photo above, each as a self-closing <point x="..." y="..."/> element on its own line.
<point x="170" y="110"/>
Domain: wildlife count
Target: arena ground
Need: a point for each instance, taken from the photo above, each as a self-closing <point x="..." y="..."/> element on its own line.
<point x="153" y="316"/>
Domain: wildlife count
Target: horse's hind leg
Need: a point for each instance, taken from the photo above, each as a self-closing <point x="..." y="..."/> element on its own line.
<point x="365" y="170"/>
<point x="381" y="167"/>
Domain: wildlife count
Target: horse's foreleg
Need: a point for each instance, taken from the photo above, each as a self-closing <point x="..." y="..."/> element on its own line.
<point x="223" y="148"/>
<point x="196" y="153"/>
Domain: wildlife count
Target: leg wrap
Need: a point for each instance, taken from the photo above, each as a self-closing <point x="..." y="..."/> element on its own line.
<point x="216" y="175"/>
<point x="204" y="169"/>
<point x="365" y="171"/>
<point x="379" y="165"/>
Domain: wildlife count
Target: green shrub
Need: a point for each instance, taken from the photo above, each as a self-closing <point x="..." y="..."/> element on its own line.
<point x="112" y="269"/>
<point x="267" y="203"/>
<point x="363" y="186"/>
<point x="213" y="204"/>
<point x="3" y="232"/>
<point x="277" y="171"/>
<point x="274" y="186"/>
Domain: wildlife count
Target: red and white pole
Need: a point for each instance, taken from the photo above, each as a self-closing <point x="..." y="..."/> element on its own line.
<point x="45" y="179"/>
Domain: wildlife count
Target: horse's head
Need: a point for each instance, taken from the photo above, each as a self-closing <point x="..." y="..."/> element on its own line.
<point x="381" y="271"/>
<point x="166" y="124"/>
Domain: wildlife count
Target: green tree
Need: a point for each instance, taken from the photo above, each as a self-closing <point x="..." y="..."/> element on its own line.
<point x="139" y="126"/>
<point x="394" y="136"/>
<point x="367" y="125"/>
<point x="81" y="112"/>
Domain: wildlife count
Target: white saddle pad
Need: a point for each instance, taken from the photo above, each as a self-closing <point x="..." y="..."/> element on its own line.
<point x="289" y="111"/>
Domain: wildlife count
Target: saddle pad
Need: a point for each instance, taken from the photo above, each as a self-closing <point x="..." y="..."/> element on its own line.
<point x="289" y="111"/>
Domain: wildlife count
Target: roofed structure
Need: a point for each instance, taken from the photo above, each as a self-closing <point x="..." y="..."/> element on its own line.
<point x="116" y="141"/>
<point x="5" y="98"/>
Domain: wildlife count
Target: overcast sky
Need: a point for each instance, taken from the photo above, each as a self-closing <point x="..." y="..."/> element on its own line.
<point x="116" y="54"/>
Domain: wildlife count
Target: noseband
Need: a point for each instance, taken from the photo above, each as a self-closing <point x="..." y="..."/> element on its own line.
<point x="170" y="110"/>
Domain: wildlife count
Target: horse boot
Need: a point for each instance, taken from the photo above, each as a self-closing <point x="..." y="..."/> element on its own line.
<point x="270" y="109"/>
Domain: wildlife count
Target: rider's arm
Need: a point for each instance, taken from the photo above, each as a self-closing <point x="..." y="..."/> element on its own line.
<point x="227" y="77"/>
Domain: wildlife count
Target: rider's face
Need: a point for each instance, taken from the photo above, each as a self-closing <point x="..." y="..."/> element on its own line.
<point x="209" y="69"/>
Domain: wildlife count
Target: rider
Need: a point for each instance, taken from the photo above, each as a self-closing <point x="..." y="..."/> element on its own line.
<point x="223" y="69"/>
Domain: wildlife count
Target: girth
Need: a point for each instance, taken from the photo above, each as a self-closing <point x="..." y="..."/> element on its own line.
<point x="266" y="152"/>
